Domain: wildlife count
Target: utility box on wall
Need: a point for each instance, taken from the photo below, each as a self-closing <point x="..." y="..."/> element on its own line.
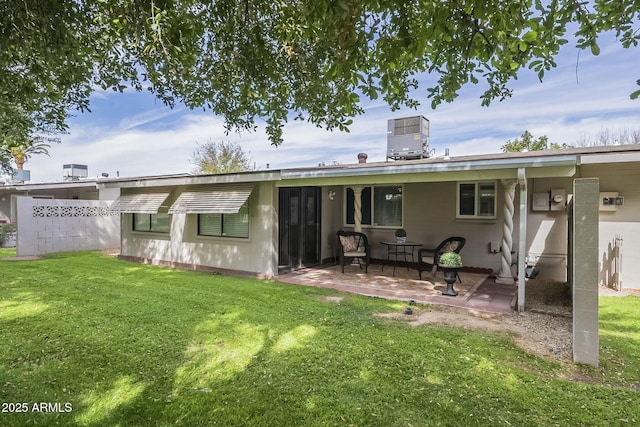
<point x="558" y="199"/>
<point x="610" y="201"/>
<point x="555" y="200"/>
<point x="540" y="202"/>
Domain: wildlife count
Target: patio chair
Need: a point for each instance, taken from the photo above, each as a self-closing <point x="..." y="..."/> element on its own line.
<point x="353" y="245"/>
<point x="429" y="257"/>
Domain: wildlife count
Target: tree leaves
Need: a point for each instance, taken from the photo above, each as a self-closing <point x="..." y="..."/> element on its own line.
<point x="635" y="94"/>
<point x="268" y="60"/>
<point x="216" y="157"/>
<point x="527" y="143"/>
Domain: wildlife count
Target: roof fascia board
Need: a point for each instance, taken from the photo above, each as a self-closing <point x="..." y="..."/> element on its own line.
<point x="194" y="180"/>
<point x="385" y="173"/>
<point x="52" y="186"/>
<point x="590" y="159"/>
<point x="435" y="172"/>
<point x="470" y="175"/>
<point x="450" y="166"/>
<point x="552" y="172"/>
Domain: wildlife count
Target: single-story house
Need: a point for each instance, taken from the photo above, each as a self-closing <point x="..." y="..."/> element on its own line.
<point x="510" y="207"/>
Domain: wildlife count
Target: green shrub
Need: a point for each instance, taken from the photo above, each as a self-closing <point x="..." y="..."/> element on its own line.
<point x="6" y="230"/>
<point x="450" y="259"/>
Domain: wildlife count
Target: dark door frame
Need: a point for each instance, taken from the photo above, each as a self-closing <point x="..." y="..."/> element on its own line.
<point x="299" y="210"/>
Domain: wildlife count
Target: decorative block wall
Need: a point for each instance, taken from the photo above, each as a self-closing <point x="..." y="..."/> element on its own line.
<point x="57" y="225"/>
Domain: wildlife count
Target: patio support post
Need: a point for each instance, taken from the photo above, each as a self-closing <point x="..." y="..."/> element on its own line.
<point x="505" y="276"/>
<point x="357" y="208"/>
<point x="522" y="244"/>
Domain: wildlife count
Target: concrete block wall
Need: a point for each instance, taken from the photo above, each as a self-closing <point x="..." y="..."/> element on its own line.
<point x="585" y="271"/>
<point x="57" y="225"/>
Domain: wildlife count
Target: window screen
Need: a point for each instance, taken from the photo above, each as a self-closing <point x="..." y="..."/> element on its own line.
<point x="225" y="225"/>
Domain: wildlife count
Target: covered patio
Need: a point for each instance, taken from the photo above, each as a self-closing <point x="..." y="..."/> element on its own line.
<point x="478" y="290"/>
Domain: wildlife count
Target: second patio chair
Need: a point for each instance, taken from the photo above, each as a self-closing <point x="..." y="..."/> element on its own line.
<point x="353" y="245"/>
<point x="428" y="258"/>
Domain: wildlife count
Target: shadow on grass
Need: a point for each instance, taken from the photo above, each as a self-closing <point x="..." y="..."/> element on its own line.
<point x="620" y="315"/>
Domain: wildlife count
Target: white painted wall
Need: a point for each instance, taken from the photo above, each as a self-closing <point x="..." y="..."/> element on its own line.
<point x="430" y="217"/>
<point x="257" y="254"/>
<point x="56" y="225"/>
<point x="624" y="222"/>
<point x="547" y="231"/>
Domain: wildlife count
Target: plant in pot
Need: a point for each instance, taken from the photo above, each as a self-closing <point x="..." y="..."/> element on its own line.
<point x="450" y="262"/>
<point x="401" y="235"/>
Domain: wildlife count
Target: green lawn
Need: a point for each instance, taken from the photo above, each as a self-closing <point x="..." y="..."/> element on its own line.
<point x="101" y="341"/>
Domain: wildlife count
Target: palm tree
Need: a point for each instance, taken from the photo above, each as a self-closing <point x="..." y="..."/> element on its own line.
<point x="22" y="151"/>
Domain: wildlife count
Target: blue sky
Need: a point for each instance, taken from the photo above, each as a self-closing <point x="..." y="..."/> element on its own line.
<point x="132" y="134"/>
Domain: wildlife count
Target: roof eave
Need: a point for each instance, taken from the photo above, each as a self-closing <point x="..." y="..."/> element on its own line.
<point x="444" y="166"/>
<point x="193" y="180"/>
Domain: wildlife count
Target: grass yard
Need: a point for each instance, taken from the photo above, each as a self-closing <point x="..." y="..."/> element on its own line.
<point x="91" y="340"/>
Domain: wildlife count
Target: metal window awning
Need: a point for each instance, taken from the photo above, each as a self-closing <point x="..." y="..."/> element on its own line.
<point x="139" y="203"/>
<point x="224" y="199"/>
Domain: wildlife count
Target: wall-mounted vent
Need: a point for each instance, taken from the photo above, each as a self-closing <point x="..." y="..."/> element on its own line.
<point x="408" y="138"/>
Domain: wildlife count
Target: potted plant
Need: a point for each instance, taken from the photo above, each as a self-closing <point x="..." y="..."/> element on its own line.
<point x="401" y="235"/>
<point x="450" y="262"/>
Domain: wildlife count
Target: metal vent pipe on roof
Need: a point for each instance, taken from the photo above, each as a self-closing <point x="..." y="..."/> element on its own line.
<point x="362" y="157"/>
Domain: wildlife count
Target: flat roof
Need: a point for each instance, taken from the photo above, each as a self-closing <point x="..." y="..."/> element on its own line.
<point x="546" y="158"/>
<point x="502" y="158"/>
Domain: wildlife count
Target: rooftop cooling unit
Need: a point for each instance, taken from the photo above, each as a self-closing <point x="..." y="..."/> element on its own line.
<point x="74" y="172"/>
<point x="408" y="138"/>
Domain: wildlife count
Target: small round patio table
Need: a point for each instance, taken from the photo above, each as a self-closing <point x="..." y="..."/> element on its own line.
<point x="399" y="250"/>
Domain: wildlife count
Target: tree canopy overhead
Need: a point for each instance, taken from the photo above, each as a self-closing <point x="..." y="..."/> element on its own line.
<point x="271" y="59"/>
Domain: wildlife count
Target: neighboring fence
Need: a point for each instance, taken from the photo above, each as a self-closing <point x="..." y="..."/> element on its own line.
<point x="56" y="225"/>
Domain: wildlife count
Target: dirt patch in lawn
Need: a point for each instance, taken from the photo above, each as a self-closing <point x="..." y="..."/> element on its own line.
<point x="544" y="329"/>
<point x="546" y="335"/>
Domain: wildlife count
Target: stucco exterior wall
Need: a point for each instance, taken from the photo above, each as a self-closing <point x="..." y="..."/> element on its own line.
<point x="48" y="226"/>
<point x="623" y="222"/>
<point x="5" y="208"/>
<point x="331" y="220"/>
<point x="547" y="237"/>
<point x="183" y="247"/>
<point x="429" y="217"/>
<point x="109" y="194"/>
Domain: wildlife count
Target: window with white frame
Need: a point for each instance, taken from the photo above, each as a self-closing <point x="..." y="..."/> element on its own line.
<point x="381" y="206"/>
<point x="225" y="225"/>
<point x="476" y="200"/>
